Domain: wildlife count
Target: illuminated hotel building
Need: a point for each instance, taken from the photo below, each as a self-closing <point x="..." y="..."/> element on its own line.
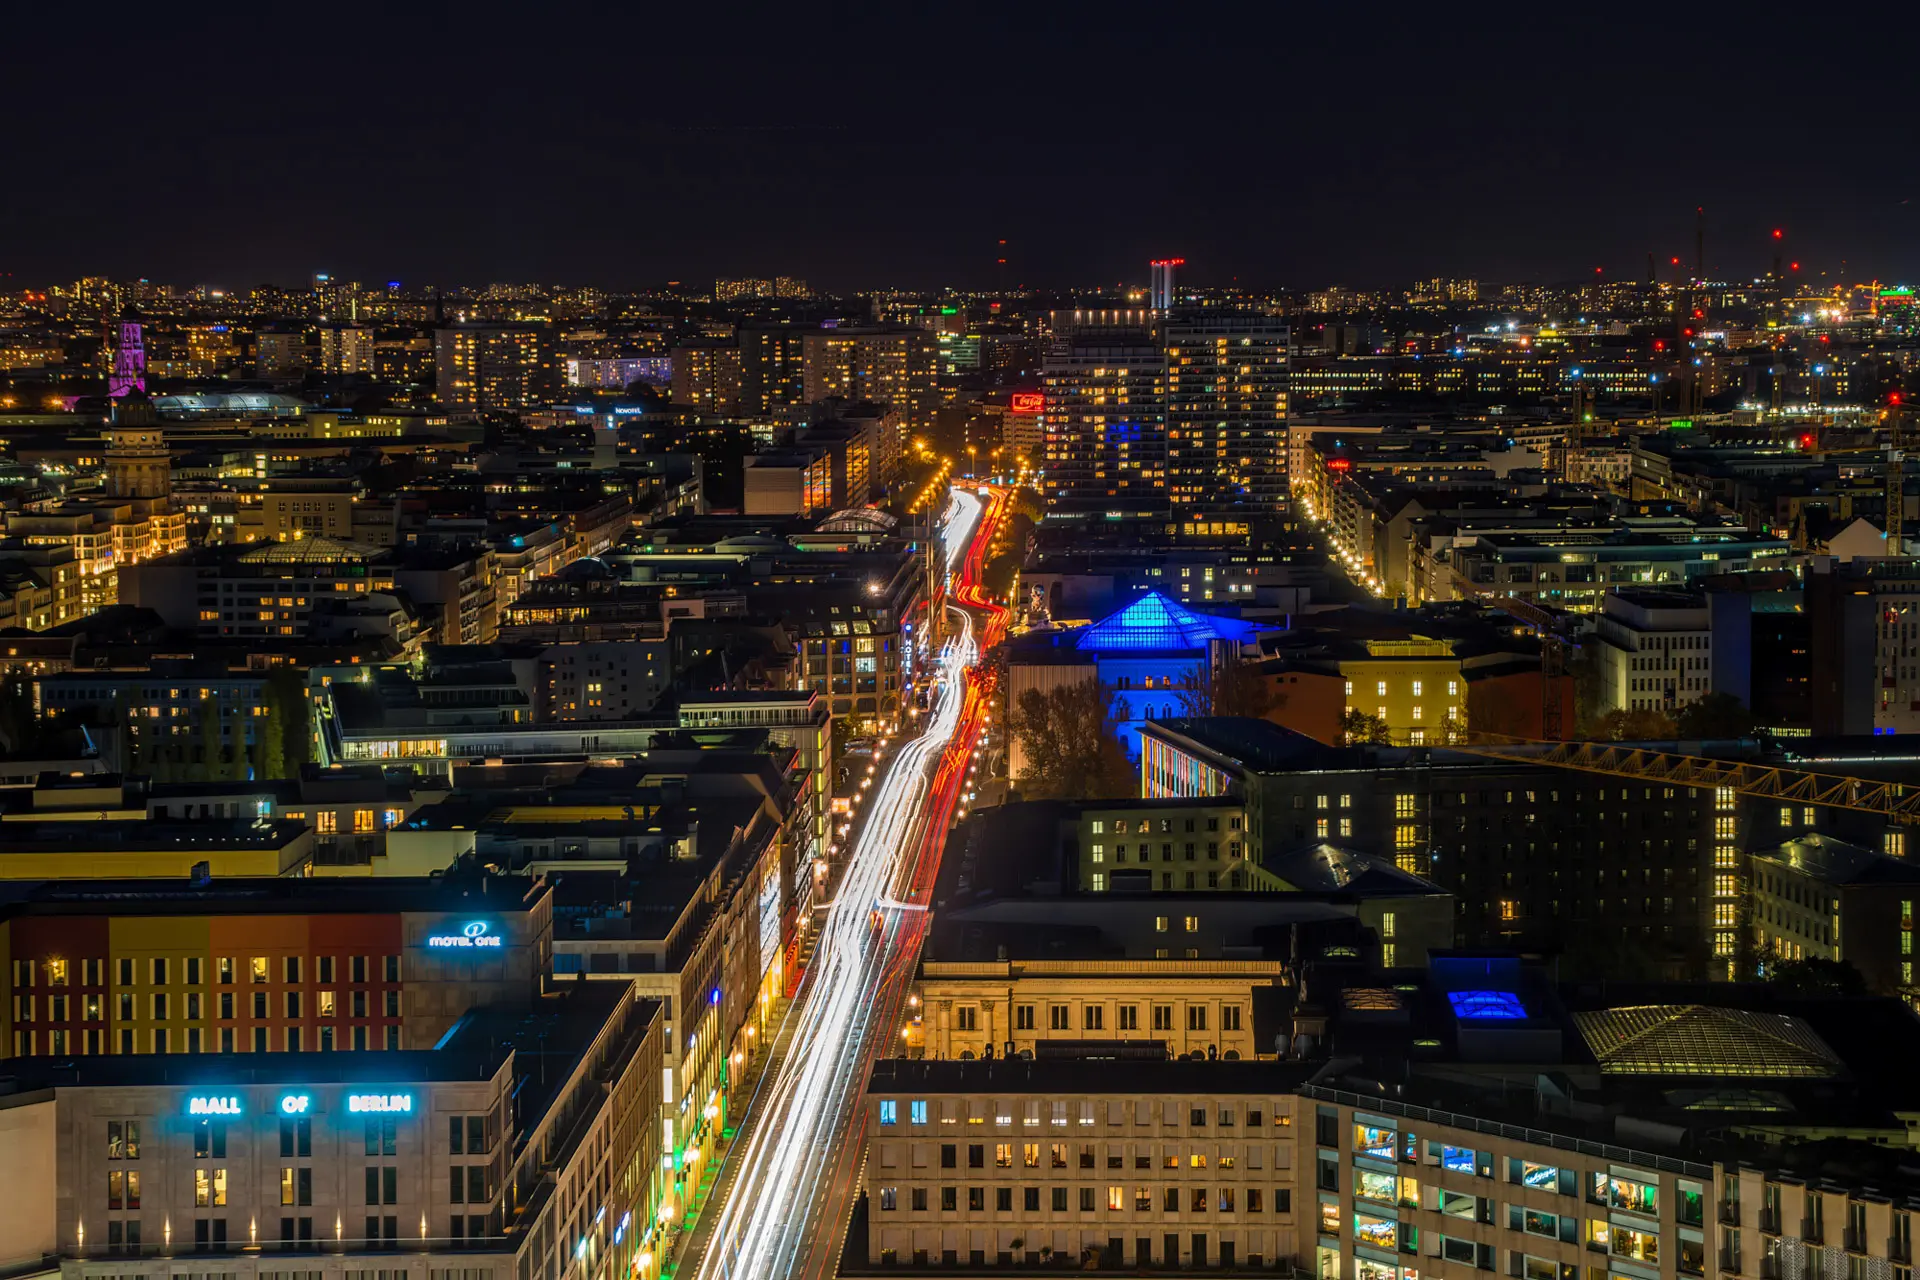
<point x="521" y="1145"/>
<point x="264" y="966"/>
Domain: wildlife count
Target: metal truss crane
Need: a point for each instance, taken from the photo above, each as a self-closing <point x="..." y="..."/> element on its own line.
<point x="1889" y="800"/>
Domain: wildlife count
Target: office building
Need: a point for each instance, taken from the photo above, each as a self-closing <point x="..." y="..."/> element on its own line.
<point x="1074" y="1164"/>
<point x="1472" y="1119"/>
<point x="522" y="1143"/>
<point x="1818" y="898"/>
<point x="1643" y="879"/>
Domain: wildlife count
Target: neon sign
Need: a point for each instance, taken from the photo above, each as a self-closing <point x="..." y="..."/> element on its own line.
<point x="473" y="935"/>
<point x="389" y="1103"/>
<point x="1028" y="402"/>
<point x="221" y="1105"/>
<point x="296" y="1104"/>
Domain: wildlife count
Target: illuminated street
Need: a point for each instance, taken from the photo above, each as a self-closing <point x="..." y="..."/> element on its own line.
<point x="794" y="1174"/>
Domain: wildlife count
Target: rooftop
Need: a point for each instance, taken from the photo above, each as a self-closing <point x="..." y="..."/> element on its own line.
<point x="1839" y="864"/>
<point x="1703" y="1040"/>
<point x="1157" y="623"/>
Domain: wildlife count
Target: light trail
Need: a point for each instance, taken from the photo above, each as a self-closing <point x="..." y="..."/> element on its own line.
<point x="804" y="1115"/>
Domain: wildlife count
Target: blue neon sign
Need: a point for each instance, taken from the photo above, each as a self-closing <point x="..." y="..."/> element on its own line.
<point x="378" y="1103"/>
<point x="224" y="1104"/>
<point x="473" y="934"/>
<point x="296" y="1104"/>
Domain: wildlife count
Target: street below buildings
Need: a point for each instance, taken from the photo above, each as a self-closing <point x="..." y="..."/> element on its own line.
<point x="780" y="1206"/>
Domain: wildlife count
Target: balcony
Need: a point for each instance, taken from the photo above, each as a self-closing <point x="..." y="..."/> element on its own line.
<point x="1730" y="1213"/>
<point x="1770" y="1221"/>
<point x="1855" y="1240"/>
<point x="1729" y="1262"/>
<point x="1812" y="1231"/>
<point x="1900" y="1250"/>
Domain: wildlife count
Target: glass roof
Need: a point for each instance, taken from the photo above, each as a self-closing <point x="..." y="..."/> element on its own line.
<point x="1694" y="1039"/>
<point x="1156" y="622"/>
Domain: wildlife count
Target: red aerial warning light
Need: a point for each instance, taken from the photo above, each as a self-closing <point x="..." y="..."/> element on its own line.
<point x="1659" y="344"/>
<point x="1168" y="262"/>
<point x="1028" y="402"/>
<point x="1796" y="266"/>
<point x="1778" y="234"/>
<point x="1339" y="464"/>
<point x="1806" y="441"/>
<point x="1893" y="397"/>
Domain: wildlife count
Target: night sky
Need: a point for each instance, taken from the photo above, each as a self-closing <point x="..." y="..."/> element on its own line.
<point x="1282" y="145"/>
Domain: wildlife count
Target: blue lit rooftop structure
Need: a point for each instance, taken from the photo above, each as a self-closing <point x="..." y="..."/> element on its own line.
<point x="1486" y="1006"/>
<point x="1155" y="622"/>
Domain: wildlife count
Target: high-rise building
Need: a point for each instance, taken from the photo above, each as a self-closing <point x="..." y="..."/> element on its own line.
<point x="1105" y="382"/>
<point x="1160" y="292"/>
<point x="897" y="367"/>
<point x="772" y="368"/>
<point x="735" y="290"/>
<point x="1226" y="414"/>
<point x="707" y="376"/>
<point x="495" y="368"/>
<point x="1180" y="414"/>
<point x="345" y="349"/>
<point x="280" y="353"/>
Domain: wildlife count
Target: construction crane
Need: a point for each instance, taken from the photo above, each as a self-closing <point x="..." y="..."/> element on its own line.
<point x="1545" y="624"/>
<point x="1889" y="800"/>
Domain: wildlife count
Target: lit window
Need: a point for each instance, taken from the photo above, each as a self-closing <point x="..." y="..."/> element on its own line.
<point x="1380" y="689"/>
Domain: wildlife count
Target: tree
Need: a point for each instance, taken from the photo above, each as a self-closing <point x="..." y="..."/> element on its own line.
<point x="1069" y="736"/>
<point x="213" y="756"/>
<point x="1228" y="689"/>
<point x="1357" y="726"/>
<point x="1816" y="978"/>
<point x="1718" y="715"/>
<point x="1632" y="726"/>
<point x="286" y="739"/>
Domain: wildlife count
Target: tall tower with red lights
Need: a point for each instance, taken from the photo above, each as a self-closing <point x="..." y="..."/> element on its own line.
<point x="1160" y="289"/>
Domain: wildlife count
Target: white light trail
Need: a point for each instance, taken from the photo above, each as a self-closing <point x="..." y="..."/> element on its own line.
<point x="771" y="1212"/>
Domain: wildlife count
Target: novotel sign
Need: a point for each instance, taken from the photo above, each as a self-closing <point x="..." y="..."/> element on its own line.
<point x="380" y="1102"/>
<point x="472" y="935"/>
<point x="224" y="1104"/>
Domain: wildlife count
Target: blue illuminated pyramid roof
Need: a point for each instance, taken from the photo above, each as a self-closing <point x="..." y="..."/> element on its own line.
<point x="1156" y="622"/>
